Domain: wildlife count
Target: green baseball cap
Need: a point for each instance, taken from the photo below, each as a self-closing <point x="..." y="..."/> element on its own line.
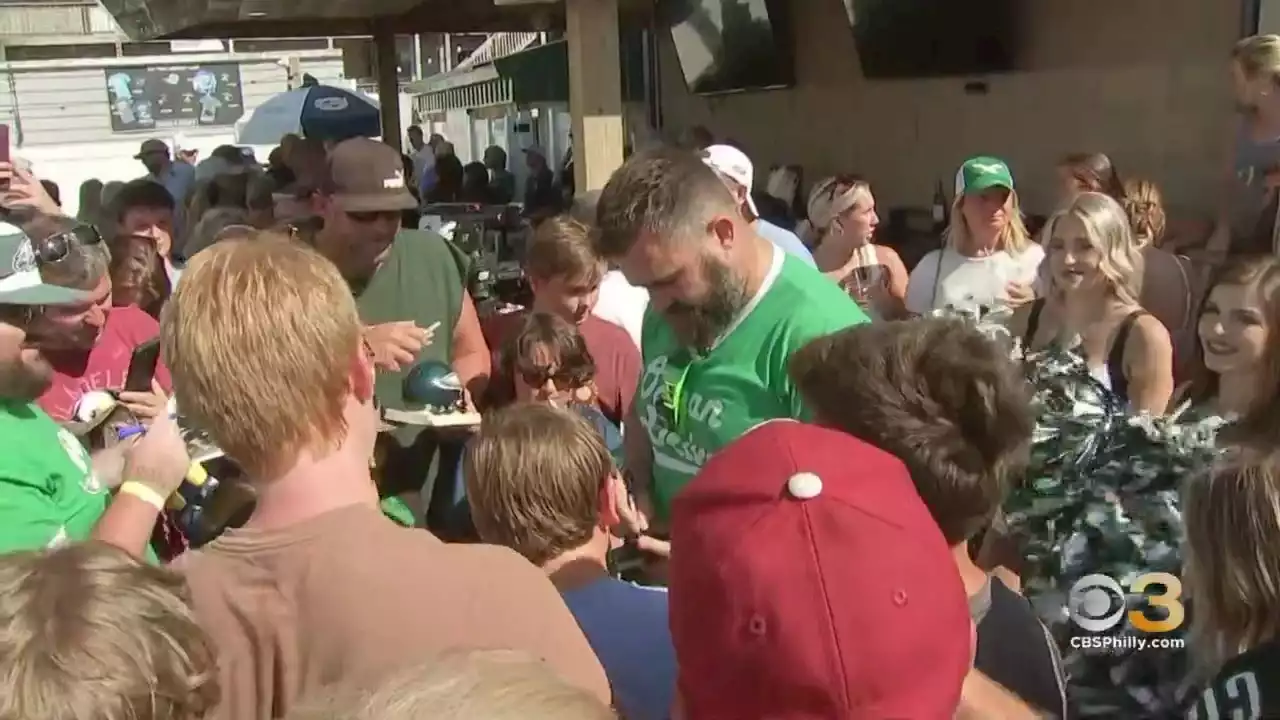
<point x="979" y="173"/>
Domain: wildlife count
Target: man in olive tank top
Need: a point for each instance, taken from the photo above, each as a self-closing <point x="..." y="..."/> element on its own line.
<point x="410" y="288"/>
<point x="727" y="309"/>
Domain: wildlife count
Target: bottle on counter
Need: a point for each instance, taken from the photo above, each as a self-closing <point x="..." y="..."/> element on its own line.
<point x="940" y="207"/>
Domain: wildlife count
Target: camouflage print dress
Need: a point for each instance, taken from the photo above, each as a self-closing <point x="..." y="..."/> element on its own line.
<point x="1102" y="497"/>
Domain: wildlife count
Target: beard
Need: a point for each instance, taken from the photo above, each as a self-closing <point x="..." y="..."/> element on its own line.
<point x="25" y="376"/>
<point x="699" y="325"/>
<point x="80" y="339"/>
<point x="1247" y="109"/>
<point x="357" y="261"/>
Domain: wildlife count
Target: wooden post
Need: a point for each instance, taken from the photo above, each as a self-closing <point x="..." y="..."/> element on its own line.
<point x="293" y="72"/>
<point x="595" y="91"/>
<point x="384" y="44"/>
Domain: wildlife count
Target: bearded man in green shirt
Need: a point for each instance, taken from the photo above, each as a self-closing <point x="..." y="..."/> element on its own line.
<point x="727" y="309"/>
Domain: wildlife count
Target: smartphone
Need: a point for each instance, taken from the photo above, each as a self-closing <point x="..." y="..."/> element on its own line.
<point x="4" y="151"/>
<point x="626" y="561"/>
<point x="142" y="366"/>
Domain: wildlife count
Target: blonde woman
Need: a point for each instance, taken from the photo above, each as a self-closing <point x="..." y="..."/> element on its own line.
<point x="843" y="220"/>
<point x="1246" y="222"/>
<point x="1172" y="284"/>
<point x="1144" y="204"/>
<point x="988" y="258"/>
<point x="1231" y="565"/>
<point x="1095" y="271"/>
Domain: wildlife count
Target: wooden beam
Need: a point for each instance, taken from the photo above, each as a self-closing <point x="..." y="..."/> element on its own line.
<point x="427" y="16"/>
<point x="384" y="45"/>
<point x="255" y="29"/>
<point x="595" y="91"/>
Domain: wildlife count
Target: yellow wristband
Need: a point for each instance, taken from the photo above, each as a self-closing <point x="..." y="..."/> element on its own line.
<point x="143" y="493"/>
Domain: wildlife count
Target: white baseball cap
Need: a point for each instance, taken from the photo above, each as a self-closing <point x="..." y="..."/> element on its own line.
<point x="20" y="281"/>
<point x="732" y="164"/>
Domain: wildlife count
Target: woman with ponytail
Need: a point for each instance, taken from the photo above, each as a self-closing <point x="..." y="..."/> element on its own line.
<point x="842" y="223"/>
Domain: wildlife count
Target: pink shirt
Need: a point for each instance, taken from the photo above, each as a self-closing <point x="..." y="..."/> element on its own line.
<point x="104" y="367"/>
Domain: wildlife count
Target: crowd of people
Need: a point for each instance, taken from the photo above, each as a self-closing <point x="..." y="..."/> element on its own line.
<point x="737" y="458"/>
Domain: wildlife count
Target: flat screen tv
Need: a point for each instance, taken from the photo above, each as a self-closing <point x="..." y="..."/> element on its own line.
<point x="935" y="38"/>
<point x="727" y="46"/>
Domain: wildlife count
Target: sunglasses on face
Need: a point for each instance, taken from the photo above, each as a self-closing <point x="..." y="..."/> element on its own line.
<point x="372" y="216"/>
<point x="562" y="378"/>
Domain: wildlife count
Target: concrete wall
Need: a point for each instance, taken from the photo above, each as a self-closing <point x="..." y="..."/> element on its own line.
<point x="61" y="118"/>
<point x="1145" y="81"/>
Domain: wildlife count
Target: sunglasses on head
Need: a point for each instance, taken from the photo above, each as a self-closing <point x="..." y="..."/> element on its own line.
<point x="841" y="183"/>
<point x="56" y="247"/>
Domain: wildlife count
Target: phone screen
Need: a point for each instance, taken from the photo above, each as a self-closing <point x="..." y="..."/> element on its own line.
<point x="142" y="366"/>
<point x="4" y="150"/>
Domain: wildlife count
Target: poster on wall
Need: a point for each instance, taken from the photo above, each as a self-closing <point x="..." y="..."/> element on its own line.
<point x="174" y="96"/>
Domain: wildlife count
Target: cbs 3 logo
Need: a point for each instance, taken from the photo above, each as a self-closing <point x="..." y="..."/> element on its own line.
<point x="1093" y="597"/>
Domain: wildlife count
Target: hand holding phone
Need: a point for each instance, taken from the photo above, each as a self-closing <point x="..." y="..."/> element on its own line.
<point x="142" y="394"/>
<point x="142" y="366"/>
<point x="21" y="189"/>
<point x="148" y="405"/>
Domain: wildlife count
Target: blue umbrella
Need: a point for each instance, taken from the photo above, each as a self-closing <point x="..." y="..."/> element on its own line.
<point x="315" y="111"/>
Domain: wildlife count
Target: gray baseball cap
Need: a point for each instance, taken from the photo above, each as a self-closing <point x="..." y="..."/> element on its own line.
<point x="20" y="281"/>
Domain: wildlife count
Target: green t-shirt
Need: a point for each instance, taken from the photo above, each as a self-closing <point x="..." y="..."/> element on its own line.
<point x="742" y="381"/>
<point x="422" y="280"/>
<point x="49" y="494"/>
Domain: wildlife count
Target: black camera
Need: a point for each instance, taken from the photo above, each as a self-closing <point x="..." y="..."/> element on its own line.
<point x="494" y="238"/>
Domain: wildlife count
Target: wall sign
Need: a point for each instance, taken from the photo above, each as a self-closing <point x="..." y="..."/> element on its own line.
<point x="174" y="96"/>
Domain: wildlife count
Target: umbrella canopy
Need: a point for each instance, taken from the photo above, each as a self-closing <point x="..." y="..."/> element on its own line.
<point x="316" y="111"/>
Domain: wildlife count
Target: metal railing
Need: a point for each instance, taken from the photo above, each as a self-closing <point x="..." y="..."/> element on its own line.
<point x="498" y="45"/>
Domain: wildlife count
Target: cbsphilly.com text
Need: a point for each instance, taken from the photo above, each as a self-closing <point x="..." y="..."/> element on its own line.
<point x="1123" y="642"/>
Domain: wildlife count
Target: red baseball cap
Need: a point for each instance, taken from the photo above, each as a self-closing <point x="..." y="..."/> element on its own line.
<point x="809" y="581"/>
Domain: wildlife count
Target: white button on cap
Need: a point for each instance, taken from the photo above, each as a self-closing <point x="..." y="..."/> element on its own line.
<point x="804" y="486"/>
